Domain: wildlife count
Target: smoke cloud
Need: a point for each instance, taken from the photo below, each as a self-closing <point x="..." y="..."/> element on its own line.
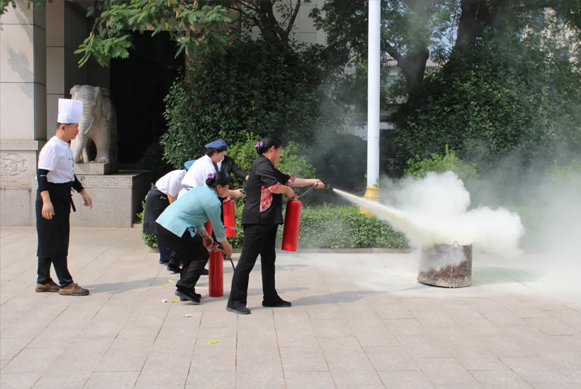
<point x="435" y="210"/>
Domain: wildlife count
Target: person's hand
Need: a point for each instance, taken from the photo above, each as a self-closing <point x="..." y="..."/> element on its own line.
<point x="227" y="249"/>
<point x="208" y="241"/>
<point x="236" y="193"/>
<point x="319" y="184"/>
<point x="47" y="210"/>
<point x="87" y="201"/>
<point x="290" y="193"/>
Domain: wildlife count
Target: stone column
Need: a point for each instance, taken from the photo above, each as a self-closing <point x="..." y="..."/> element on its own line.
<point x="22" y="109"/>
<point x="66" y="29"/>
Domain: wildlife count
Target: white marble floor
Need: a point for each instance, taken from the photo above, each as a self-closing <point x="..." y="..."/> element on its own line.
<point x="358" y="321"/>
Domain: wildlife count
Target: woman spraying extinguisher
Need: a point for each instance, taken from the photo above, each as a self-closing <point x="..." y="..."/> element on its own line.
<point x="260" y="220"/>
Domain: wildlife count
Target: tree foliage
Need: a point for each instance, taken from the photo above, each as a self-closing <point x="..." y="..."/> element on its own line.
<point x="506" y="97"/>
<point x="256" y="87"/>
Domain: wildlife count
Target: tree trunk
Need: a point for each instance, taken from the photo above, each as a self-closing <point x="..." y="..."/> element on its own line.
<point x="413" y="67"/>
<point x="476" y="16"/>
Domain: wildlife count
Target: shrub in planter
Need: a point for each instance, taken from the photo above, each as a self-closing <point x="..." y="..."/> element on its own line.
<point x="150" y="240"/>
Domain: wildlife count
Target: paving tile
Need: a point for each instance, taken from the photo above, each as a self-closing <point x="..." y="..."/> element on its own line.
<point x="536" y="371"/>
<point x="308" y="380"/>
<point x="405" y="380"/>
<point x="573" y="375"/>
<point x="32" y="360"/>
<point x="476" y="358"/>
<point x="66" y="378"/>
<point x="356" y="377"/>
<point x="424" y="346"/>
<point x="303" y="358"/>
<point x="445" y="371"/>
<point x="10" y="347"/>
<point x="331" y="328"/>
<point x="405" y="327"/>
<point x="260" y="378"/>
<point x="506" y="379"/>
<point x="390" y="358"/>
<point x="112" y="379"/>
<point x="19" y="380"/>
<point x="375" y="336"/>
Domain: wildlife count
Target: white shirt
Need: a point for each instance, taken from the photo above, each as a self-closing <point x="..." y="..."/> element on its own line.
<point x="171" y="183"/>
<point x="57" y="157"/>
<point x="198" y="173"/>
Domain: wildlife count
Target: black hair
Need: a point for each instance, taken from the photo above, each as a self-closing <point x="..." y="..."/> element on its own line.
<point x="61" y="124"/>
<point x="219" y="178"/>
<point x="267" y="143"/>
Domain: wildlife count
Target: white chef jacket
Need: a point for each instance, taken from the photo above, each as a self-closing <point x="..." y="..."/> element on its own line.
<point x="198" y="173"/>
<point x="171" y="183"/>
<point x="57" y="157"/>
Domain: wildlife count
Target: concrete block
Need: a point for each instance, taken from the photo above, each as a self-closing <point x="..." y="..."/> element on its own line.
<point x="116" y="198"/>
<point x="94" y="168"/>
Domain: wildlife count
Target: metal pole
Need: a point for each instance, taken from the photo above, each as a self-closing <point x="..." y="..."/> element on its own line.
<point x="373" y="81"/>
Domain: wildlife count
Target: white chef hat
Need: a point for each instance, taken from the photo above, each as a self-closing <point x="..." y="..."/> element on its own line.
<point x="70" y="111"/>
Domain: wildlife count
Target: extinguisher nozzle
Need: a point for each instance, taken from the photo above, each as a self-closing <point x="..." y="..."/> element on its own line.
<point x="329" y="187"/>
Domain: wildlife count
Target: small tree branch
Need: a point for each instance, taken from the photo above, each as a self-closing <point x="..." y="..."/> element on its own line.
<point x="293" y="17"/>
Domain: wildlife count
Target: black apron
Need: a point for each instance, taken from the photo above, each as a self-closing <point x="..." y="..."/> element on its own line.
<point x="155" y="203"/>
<point x="53" y="234"/>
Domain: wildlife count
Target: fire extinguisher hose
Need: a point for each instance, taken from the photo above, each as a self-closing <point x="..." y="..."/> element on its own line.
<point x="307" y="191"/>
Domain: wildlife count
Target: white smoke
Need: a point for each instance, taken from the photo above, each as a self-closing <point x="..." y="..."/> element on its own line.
<point x="435" y="210"/>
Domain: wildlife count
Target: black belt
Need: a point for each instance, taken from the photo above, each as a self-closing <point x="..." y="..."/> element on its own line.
<point x="162" y="195"/>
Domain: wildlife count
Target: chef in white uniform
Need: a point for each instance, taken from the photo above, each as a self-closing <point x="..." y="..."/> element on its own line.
<point x="56" y="177"/>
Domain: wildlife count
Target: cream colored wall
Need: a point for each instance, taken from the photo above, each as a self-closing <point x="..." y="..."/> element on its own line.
<point x="22" y="108"/>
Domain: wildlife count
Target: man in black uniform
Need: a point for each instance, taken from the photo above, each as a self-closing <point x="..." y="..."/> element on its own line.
<point x="54" y="200"/>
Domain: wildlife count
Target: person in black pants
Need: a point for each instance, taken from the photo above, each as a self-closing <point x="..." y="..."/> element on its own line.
<point x="56" y="176"/>
<point x="260" y="220"/>
<point x="181" y="226"/>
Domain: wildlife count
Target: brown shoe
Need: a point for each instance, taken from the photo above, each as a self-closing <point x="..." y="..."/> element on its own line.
<point x="48" y="287"/>
<point x="73" y="290"/>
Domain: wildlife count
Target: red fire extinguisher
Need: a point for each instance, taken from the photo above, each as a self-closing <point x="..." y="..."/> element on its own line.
<point x="292" y="221"/>
<point x="216" y="273"/>
<point x="229" y="210"/>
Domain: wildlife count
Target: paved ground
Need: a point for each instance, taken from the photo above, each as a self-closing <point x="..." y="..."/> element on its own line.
<point x="358" y="321"/>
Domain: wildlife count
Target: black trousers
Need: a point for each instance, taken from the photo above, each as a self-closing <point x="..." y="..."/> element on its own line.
<point x="258" y="239"/>
<point x="53" y="235"/>
<point x="193" y="255"/>
<point x="60" y="267"/>
<point x="165" y="252"/>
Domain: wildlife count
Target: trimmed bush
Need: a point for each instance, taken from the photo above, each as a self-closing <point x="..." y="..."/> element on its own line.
<point x="418" y="168"/>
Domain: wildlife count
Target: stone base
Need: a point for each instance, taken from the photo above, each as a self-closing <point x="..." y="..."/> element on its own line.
<point x="94" y="168"/>
<point x="116" y="198"/>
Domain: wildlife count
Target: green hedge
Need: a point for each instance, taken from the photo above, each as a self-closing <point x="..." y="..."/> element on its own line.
<point x="337" y="227"/>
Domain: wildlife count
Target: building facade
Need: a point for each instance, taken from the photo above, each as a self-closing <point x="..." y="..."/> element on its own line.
<point x="38" y="66"/>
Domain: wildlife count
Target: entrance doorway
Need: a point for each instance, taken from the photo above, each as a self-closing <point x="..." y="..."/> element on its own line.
<point x="139" y="85"/>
